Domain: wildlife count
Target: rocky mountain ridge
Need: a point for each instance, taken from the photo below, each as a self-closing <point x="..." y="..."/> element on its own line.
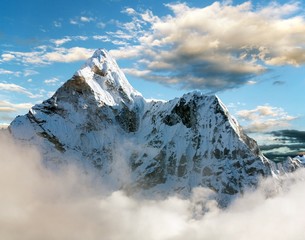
<point x="155" y="148"/>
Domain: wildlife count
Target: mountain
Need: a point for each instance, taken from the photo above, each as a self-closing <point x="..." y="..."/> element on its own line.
<point x="152" y="148"/>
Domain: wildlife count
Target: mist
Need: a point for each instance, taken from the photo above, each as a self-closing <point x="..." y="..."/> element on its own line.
<point x="37" y="203"/>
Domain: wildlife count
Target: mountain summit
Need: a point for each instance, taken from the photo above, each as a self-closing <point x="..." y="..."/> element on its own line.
<point x="98" y="120"/>
<point x="103" y="76"/>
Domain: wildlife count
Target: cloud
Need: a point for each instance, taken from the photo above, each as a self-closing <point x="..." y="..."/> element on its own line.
<point x="4" y="71"/>
<point x="264" y="118"/>
<point x="81" y="38"/>
<point x="135" y="72"/>
<point x="289" y="135"/>
<point x="259" y="111"/>
<point x="280" y="152"/>
<point x="14" y="88"/>
<point x="86" y="19"/>
<point x="101" y="37"/>
<point x="8" y="72"/>
<point x="283" y="143"/>
<point x="29" y="72"/>
<point x="61" y="41"/>
<point x="129" y="11"/>
<point x="58" y="54"/>
<point x="120" y="34"/>
<point x="11" y="87"/>
<point x="127" y="52"/>
<point x="6" y="106"/>
<point x="7" y="57"/>
<point x="68" y="54"/>
<point x="73" y="22"/>
<point x="81" y="20"/>
<point x="51" y="81"/>
<point x="199" y="47"/>
<point x="38" y="203"/>
<point x="33" y="57"/>
<point x="8" y="111"/>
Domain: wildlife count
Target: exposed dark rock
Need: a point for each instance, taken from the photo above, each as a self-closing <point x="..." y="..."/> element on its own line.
<point x="128" y="119"/>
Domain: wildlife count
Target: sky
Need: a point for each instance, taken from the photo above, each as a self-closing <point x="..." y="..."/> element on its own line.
<point x="251" y="54"/>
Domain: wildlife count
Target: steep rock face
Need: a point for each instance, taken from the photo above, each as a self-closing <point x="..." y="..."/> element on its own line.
<point x="149" y="147"/>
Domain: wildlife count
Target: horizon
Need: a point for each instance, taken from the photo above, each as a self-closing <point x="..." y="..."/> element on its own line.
<point x="250" y="54"/>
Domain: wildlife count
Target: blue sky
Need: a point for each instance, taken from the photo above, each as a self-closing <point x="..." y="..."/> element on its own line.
<point x="251" y="54"/>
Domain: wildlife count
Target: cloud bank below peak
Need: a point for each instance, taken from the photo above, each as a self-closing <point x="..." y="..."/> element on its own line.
<point x="38" y="203"/>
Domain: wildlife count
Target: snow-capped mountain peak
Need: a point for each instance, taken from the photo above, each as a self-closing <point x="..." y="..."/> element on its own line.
<point x="108" y="83"/>
<point x="153" y="147"/>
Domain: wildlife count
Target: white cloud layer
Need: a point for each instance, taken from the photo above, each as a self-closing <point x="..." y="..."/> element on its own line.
<point x="37" y="203"/>
<point x="216" y="47"/>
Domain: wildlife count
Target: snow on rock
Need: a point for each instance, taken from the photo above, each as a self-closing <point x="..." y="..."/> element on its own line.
<point x="151" y="148"/>
<point x="106" y="80"/>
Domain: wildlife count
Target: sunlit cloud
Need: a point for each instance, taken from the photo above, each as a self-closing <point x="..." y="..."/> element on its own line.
<point x="33" y="57"/>
<point x="129" y="11"/>
<point x="199" y="47"/>
<point x="6" y="106"/>
<point x="4" y="71"/>
<point x="265" y="118"/>
<point x="9" y="72"/>
<point x="68" y="54"/>
<point x="58" y="54"/>
<point x="11" y="87"/>
<point x="61" y="41"/>
<point x="7" y="57"/>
